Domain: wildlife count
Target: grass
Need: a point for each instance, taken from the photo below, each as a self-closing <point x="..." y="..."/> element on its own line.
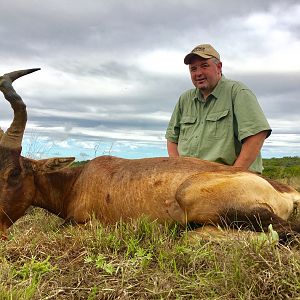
<point x="141" y="260"/>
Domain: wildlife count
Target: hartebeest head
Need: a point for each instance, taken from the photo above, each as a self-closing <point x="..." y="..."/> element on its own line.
<point x="17" y="188"/>
<point x="13" y="178"/>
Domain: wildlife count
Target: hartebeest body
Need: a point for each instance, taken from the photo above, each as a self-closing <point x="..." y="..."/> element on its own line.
<point x="183" y="190"/>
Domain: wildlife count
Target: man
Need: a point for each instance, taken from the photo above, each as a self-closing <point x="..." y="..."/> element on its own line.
<point x="220" y="120"/>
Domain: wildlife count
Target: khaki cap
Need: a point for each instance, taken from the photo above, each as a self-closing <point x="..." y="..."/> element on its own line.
<point x="204" y="50"/>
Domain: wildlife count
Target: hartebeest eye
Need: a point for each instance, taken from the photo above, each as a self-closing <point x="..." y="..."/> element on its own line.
<point x="14" y="176"/>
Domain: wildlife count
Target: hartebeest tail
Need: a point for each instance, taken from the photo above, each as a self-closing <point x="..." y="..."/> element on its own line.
<point x="183" y="190"/>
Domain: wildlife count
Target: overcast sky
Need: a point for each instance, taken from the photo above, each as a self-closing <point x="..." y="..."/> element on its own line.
<point x="112" y="71"/>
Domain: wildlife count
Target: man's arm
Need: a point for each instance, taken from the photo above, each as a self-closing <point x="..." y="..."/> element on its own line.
<point x="250" y="149"/>
<point x="172" y="149"/>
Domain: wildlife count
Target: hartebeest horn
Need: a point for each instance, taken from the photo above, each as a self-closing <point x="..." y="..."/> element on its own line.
<point x="12" y="138"/>
<point x="17" y="74"/>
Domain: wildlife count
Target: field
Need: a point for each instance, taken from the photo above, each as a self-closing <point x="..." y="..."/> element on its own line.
<point x="143" y="260"/>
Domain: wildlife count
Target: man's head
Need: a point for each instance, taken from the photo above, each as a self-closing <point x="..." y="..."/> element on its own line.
<point x="205" y="68"/>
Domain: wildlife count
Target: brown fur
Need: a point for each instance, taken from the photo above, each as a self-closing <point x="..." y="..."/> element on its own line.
<point x="180" y="190"/>
<point x="280" y="187"/>
<point x="168" y="189"/>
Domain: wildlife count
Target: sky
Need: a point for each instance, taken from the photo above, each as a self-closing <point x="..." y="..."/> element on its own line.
<point x="112" y="71"/>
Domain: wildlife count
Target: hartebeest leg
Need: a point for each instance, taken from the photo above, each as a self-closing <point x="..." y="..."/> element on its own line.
<point x="259" y="219"/>
<point x="235" y="200"/>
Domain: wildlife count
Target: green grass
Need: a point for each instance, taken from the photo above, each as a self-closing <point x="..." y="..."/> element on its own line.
<point x="141" y="260"/>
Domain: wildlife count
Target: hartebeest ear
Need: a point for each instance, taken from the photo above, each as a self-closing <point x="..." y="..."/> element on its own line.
<point x="52" y="164"/>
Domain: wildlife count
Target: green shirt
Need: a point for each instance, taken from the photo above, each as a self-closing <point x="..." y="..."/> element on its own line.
<point x="214" y="129"/>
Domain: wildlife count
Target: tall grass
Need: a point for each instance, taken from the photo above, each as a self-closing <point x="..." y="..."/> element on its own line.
<point x="141" y="260"/>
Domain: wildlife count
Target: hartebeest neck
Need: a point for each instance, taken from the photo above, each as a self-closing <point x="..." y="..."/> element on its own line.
<point x="53" y="190"/>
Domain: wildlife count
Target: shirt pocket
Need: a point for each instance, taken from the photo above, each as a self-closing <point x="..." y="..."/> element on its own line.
<point x="218" y="124"/>
<point x="187" y="126"/>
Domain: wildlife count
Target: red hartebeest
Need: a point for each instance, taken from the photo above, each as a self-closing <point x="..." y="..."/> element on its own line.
<point x="184" y="190"/>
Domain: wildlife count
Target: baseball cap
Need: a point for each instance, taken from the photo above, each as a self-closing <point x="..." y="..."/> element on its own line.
<point x="204" y="50"/>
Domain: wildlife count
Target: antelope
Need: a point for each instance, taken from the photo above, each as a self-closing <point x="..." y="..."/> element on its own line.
<point x="180" y="190"/>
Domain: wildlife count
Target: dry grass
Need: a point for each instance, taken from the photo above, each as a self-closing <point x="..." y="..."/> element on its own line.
<point x="142" y="260"/>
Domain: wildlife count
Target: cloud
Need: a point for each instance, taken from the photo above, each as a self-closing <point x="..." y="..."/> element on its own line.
<point x="113" y="70"/>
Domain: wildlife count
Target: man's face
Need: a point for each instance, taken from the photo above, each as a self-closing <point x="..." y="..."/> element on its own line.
<point x="205" y="74"/>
